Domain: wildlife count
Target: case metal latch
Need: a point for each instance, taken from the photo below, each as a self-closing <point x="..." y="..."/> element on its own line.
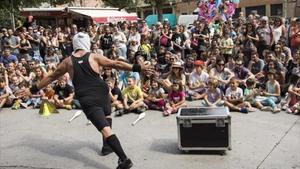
<point x="220" y="122"/>
<point x="187" y="123"/>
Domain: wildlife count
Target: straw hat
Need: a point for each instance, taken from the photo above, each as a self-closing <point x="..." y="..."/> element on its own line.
<point x="177" y="65"/>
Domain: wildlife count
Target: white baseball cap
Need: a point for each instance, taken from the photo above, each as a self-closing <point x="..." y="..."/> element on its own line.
<point x="81" y="41"/>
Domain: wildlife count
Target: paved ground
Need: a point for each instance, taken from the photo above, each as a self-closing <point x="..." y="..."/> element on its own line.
<point x="259" y="140"/>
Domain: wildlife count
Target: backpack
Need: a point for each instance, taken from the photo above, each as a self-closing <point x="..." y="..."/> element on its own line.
<point x="163" y="41"/>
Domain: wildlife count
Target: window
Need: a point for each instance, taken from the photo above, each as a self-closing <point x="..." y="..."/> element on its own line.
<point x="276" y="10"/>
<point x="167" y="10"/>
<point x="260" y="10"/>
<point x="147" y="13"/>
<point x="237" y="13"/>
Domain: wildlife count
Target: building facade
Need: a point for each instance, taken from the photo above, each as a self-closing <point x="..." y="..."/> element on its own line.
<point x="284" y="8"/>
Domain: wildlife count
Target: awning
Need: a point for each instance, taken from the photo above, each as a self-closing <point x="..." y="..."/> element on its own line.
<point x="106" y="15"/>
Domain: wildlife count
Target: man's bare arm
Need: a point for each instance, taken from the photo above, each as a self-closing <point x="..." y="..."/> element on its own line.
<point x="61" y="70"/>
<point x="119" y="65"/>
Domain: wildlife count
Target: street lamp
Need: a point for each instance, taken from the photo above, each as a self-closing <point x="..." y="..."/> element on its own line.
<point x="12" y="15"/>
<point x="171" y="4"/>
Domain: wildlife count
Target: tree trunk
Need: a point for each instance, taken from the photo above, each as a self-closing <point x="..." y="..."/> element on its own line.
<point x="159" y="12"/>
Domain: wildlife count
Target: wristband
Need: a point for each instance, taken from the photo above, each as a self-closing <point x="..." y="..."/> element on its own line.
<point x="136" y="68"/>
<point x="34" y="89"/>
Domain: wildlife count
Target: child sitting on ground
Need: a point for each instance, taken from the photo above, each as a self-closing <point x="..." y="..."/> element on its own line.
<point x="4" y="93"/>
<point x="234" y="97"/>
<point x="272" y="93"/>
<point x="292" y="104"/>
<point x="176" y="99"/>
<point x="155" y="99"/>
<point x="48" y="94"/>
<point x="251" y="93"/>
<point x="116" y="96"/>
<point x="213" y="95"/>
<point x="133" y="97"/>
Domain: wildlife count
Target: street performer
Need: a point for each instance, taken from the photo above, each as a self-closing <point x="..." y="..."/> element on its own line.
<point x="91" y="90"/>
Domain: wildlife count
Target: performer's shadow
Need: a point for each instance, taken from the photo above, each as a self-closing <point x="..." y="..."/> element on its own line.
<point x="65" y="149"/>
<point x="170" y="146"/>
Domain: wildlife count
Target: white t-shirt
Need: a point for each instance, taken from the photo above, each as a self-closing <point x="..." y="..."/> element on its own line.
<point x="117" y="38"/>
<point x="196" y="78"/>
<point x="234" y="94"/>
<point x="223" y="75"/>
<point x="135" y="37"/>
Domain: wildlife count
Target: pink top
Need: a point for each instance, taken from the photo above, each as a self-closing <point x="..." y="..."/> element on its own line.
<point x="176" y="96"/>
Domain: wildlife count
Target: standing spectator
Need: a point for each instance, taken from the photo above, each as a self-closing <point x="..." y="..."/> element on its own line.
<point x="120" y="40"/>
<point x="295" y="36"/>
<point x="251" y="38"/>
<point x="134" y="39"/>
<point x="106" y="41"/>
<point x="178" y="40"/>
<point x="165" y="38"/>
<point x="279" y="29"/>
<point x="144" y="30"/>
<point x="226" y="45"/>
<point x="265" y="35"/>
<point x="25" y="47"/>
<point x="34" y="40"/>
<point x="12" y="42"/>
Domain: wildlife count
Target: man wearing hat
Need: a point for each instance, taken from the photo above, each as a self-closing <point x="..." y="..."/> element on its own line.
<point x="92" y="92"/>
<point x="197" y="81"/>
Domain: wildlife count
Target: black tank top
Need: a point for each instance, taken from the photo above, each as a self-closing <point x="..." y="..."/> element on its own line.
<point x="90" y="89"/>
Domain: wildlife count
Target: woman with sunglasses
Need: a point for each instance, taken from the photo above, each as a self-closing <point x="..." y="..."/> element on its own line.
<point x="222" y="74"/>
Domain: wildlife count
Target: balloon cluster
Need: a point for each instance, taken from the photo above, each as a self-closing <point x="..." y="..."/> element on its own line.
<point x="209" y="10"/>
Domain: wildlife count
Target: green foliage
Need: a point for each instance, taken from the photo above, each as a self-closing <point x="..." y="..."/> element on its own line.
<point x="60" y="2"/>
<point x="7" y="6"/>
<point x="119" y="3"/>
<point x="158" y="4"/>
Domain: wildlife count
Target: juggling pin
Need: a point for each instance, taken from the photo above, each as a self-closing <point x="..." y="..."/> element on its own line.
<point x="140" y="117"/>
<point x="77" y="114"/>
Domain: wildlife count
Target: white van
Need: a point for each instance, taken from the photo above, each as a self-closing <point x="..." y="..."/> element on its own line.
<point x="187" y="20"/>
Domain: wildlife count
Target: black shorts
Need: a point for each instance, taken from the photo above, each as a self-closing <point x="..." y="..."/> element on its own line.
<point x="96" y="113"/>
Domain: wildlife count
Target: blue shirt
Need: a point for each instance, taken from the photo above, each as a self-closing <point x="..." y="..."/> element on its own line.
<point x="10" y="59"/>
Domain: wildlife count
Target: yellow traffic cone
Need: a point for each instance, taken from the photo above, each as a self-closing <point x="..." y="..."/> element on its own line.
<point x="51" y="107"/>
<point x="44" y="111"/>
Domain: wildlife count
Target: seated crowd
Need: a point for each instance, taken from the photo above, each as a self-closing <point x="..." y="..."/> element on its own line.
<point x="247" y="64"/>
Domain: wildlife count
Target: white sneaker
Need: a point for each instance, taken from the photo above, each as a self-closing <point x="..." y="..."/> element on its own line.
<point x="276" y="110"/>
<point x="284" y="107"/>
<point x="289" y="111"/>
<point x="266" y="108"/>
